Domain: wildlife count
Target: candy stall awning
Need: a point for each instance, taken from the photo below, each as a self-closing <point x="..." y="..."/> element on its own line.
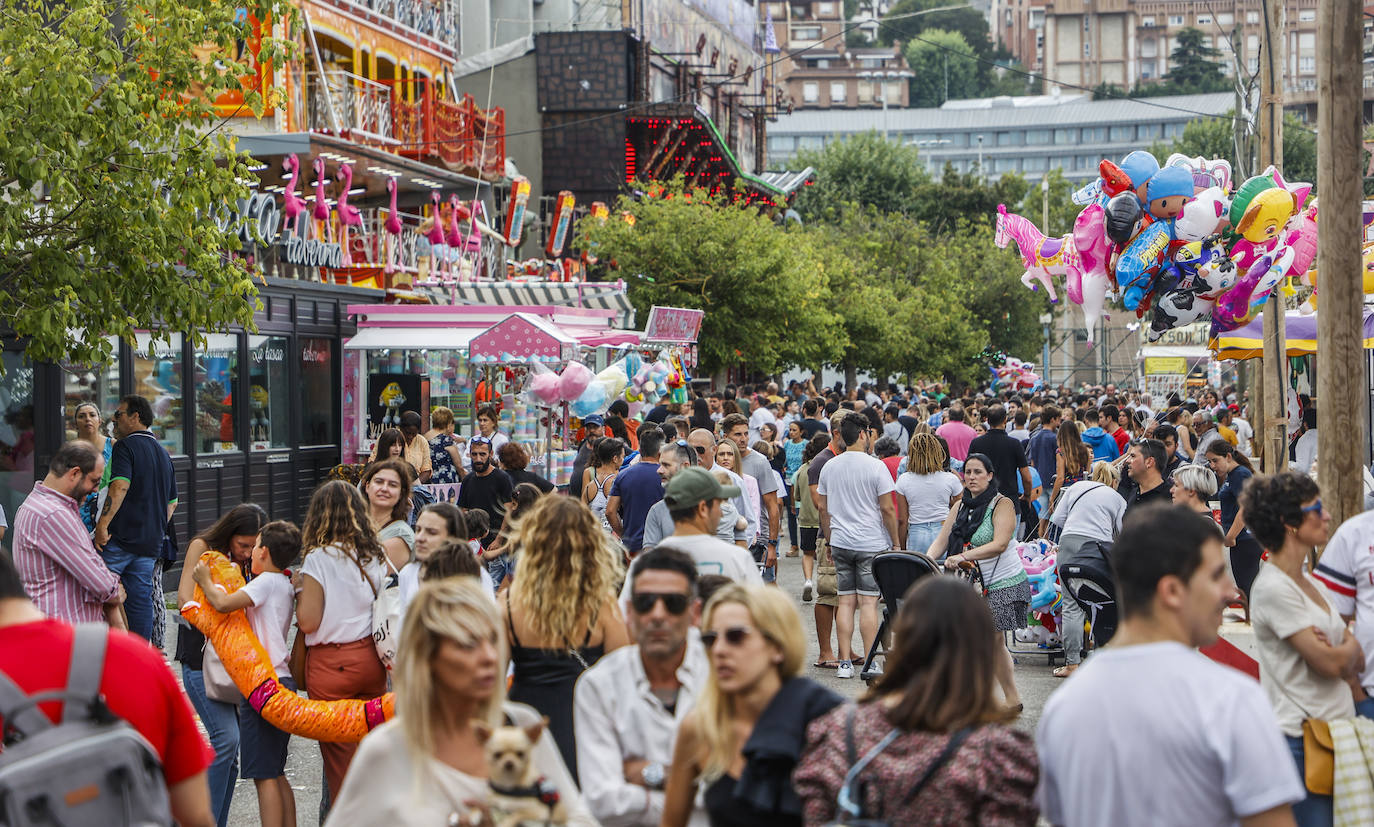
<point x="1247" y="341"/>
<point x="608" y="295"/>
<point x="522" y="337"/>
<point x="412" y="338"/>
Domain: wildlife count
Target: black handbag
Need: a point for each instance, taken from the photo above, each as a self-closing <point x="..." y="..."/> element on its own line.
<point x="850" y="804"/>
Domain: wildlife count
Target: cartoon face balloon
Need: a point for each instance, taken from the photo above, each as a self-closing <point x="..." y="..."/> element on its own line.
<point x="1266" y="215"/>
<point x="1123" y="215"/>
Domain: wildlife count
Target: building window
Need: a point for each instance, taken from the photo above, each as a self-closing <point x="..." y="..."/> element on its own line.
<point x="1148" y="21"/>
<point x="269" y="392"/>
<point x="18" y="435"/>
<point x="1087" y="50"/>
<point x="825" y="9"/>
<point x="318" y="387"/>
<point x="1226" y="19"/>
<point x="865" y="92"/>
<point x="782" y="144"/>
<point x="1094" y="134"/>
<point x="1033" y="163"/>
<point x="1307" y="65"/>
<point x="1175" y="20"/>
<point x="1148" y="131"/>
<point x="837" y="91"/>
<point x="1005" y="165"/>
<point x="811" y="92"/>
<point x="1252" y="17"/>
<point x="1008" y="139"/>
<point x="806" y="33"/>
<point x="893" y="93"/>
<point x="1204" y="19"/>
<point x="955" y="138"/>
<point x="157" y="378"/>
<point x="1175" y="130"/>
<point x="217" y="371"/>
<point x="1122" y="133"/>
<point x="1066" y="136"/>
<point x="1307" y="15"/>
<point x="97" y="384"/>
<point x="811" y="142"/>
<point x="1038" y="137"/>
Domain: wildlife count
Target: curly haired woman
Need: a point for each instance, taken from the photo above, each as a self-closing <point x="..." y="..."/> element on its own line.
<point x="561" y="609"/>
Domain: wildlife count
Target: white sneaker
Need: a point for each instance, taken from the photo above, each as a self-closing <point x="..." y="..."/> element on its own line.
<point x="807" y="588"/>
<point x="844" y="670"/>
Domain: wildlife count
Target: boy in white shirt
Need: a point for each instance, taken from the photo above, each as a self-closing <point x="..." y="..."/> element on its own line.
<point x="269" y="601"/>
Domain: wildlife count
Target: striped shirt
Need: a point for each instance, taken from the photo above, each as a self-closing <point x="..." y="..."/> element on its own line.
<point x="61" y="570"/>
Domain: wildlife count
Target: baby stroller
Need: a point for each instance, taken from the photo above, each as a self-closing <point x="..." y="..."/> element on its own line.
<point x="1089" y="583"/>
<point x="895" y="572"/>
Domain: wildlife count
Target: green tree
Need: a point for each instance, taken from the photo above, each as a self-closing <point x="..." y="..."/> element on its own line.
<point x="942" y="203"/>
<point x="1108" y="91"/>
<point x="114" y="166"/>
<point x="1193" y="66"/>
<point x="1014" y="80"/>
<point x="767" y="304"/>
<point x="1214" y="138"/>
<point x="967" y="22"/>
<point x="945" y="68"/>
<point x="861" y="169"/>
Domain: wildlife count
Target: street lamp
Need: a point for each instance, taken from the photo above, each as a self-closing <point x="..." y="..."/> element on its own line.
<point x="877" y="76"/>
<point x="1046" y="319"/>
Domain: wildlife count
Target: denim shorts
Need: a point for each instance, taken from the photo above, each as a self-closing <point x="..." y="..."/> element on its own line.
<point x="262" y="747"/>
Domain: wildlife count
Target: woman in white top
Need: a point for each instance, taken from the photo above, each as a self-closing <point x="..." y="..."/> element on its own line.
<point x="1088" y="512"/>
<point x="340" y="576"/>
<point x="925" y="493"/>
<point x="438" y="523"/>
<point x="428" y="767"/>
<point x="386" y="484"/>
<point x="1309" y="658"/>
<point x="608" y="454"/>
<point x="727" y="457"/>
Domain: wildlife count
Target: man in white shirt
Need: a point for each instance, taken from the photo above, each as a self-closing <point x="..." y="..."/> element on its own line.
<point x="1149" y="731"/>
<point x="704" y="443"/>
<point x="859" y="521"/>
<point x="628" y="706"/>
<point x="1346" y="568"/>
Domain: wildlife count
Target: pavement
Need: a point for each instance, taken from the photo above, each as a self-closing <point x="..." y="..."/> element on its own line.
<point x="304" y="768"/>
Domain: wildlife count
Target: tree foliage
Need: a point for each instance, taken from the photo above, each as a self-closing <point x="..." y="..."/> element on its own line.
<point x="861" y="169"/>
<point x="114" y="166"/>
<point x="1193" y="66"/>
<point x="968" y="22"/>
<point x="767" y="304"/>
<point x="944" y="67"/>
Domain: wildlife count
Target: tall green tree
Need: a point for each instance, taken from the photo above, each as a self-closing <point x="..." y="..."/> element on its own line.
<point x="861" y="169"/>
<point x="902" y="24"/>
<point x="944" y="67"/>
<point x="1194" y="66"/>
<point x="941" y="204"/>
<point x="114" y="165"/>
<point x="768" y="305"/>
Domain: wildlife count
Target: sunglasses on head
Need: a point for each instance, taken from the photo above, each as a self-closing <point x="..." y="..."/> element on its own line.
<point x="675" y="602"/>
<point x="734" y="636"/>
<point x="1316" y="506"/>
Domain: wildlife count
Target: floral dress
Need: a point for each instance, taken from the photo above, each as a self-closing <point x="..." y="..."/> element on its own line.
<point x="442" y="469"/>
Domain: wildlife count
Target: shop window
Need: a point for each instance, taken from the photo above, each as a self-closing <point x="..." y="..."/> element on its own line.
<point x="17" y="437"/>
<point x="96" y="384"/>
<point x="318" y="403"/>
<point x="269" y="393"/>
<point x="217" y="371"/>
<point x="157" y="378"/>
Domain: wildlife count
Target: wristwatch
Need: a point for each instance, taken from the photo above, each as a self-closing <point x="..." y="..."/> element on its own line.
<point x="652" y="775"/>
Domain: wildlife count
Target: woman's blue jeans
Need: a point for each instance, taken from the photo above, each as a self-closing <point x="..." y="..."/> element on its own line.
<point x="222" y="725"/>
<point x="1315" y="810"/>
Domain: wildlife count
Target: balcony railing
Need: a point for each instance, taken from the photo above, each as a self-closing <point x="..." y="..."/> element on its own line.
<point x="437" y="19"/>
<point x="408" y="117"/>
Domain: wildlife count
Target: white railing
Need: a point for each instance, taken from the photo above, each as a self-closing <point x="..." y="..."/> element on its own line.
<point x="360" y="106"/>
<point x="433" y="18"/>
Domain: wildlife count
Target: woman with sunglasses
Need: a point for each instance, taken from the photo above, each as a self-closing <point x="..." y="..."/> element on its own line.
<point x="1309" y="658"/>
<point x="740" y="741"/>
<point x="936" y="695"/>
<point x="1234" y="472"/>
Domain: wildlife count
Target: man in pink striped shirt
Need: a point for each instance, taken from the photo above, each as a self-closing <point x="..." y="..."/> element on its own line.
<point x="62" y="573"/>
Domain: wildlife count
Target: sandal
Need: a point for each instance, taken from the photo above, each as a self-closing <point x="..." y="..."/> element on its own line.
<point x="826" y="664"/>
<point x="1065" y="670"/>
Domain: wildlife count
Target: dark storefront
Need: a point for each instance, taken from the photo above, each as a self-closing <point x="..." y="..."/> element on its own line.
<point x="251" y="417"/>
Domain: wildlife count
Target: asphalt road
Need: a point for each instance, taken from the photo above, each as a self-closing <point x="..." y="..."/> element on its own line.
<point x="304" y="768"/>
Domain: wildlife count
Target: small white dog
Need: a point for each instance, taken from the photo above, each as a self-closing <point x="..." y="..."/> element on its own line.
<point x="519" y="795"/>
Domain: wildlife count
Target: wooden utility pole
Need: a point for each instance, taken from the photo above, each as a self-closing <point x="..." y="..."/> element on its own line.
<point x="1341" y="400"/>
<point x="1274" y="422"/>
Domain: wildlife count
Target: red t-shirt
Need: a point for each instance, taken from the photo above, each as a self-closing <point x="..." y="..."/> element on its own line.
<point x="1123" y="438"/>
<point x="137" y="684"/>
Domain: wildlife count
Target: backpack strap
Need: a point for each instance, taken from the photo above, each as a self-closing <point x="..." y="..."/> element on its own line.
<point x="20" y="711"/>
<point x="88" y="664"/>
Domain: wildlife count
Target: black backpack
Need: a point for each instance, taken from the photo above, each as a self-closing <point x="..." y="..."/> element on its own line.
<point x="93" y="768"/>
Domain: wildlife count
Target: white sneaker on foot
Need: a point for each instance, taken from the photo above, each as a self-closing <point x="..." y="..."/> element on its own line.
<point x="844" y="670"/>
<point x="807" y="588"/>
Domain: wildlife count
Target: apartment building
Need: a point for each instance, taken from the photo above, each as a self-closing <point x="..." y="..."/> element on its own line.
<point x="818" y="70"/>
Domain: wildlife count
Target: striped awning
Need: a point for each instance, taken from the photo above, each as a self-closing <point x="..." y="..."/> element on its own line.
<point x="600" y="295"/>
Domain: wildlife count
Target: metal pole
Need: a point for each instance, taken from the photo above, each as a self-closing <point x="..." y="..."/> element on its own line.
<point x="1275" y="419"/>
<point x="1342" y="401"/>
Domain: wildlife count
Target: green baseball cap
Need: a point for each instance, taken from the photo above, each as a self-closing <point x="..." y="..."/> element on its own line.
<point x="695" y="485"/>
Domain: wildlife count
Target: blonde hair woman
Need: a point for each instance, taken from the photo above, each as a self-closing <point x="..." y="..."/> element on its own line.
<point x="925" y="492"/>
<point x="427" y="766"/>
<point x="754" y="704"/>
<point x="561" y="609"/>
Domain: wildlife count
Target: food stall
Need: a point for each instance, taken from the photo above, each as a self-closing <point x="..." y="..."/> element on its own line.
<point x="1178" y="359"/>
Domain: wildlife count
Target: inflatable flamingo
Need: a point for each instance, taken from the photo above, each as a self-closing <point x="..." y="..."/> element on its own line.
<point x="435" y="236"/>
<point x="293" y="206"/>
<point x="349" y="215"/>
<point x="320" y="211"/>
<point x="392" y="227"/>
<point x="457" y="212"/>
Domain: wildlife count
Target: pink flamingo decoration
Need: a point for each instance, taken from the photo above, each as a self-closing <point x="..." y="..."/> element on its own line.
<point x="293" y="206"/>
<point x="435" y="236"/>
<point x="320" y="211"/>
<point x="349" y="216"/>
<point x="457" y="212"/>
<point x="472" y="242"/>
<point x="392" y="227"/>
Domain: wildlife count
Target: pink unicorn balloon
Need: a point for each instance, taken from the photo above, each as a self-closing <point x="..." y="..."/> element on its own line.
<point x="1045" y="257"/>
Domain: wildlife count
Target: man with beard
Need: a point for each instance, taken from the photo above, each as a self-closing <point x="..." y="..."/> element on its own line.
<point x="629" y="705"/>
<point x="487" y="488"/>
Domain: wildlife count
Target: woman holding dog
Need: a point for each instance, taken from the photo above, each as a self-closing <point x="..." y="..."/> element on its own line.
<point x="560" y="612"/>
<point x="745" y="734"/>
<point x="450" y="755"/>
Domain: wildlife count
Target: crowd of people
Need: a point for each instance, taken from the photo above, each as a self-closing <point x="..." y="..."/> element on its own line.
<point x="619" y="652"/>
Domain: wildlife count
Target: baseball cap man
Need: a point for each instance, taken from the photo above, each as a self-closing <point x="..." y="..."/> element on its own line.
<point x="695" y="485"/>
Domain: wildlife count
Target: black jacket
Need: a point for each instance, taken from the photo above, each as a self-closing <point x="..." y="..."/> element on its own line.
<point x="775" y="747"/>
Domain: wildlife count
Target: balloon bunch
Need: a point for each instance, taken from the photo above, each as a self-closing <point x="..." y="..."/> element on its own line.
<point x="1038" y="559"/>
<point x="1173" y="240"/>
<point x="1015" y="375"/>
<point x="629" y="378"/>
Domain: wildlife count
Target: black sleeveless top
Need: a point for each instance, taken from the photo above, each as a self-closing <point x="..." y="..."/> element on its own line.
<point x="724" y="810"/>
<point x="544" y="679"/>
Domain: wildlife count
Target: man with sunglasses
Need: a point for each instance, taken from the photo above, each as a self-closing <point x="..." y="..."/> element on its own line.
<point x="705" y="444"/>
<point x="628" y="706"/>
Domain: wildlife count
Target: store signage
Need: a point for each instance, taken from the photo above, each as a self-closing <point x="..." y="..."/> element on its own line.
<point x="269" y="354"/>
<point x="673" y="324"/>
<point x="276" y="459"/>
<point x="210" y="463"/>
<point x="1165" y="364"/>
<point x="254" y="219"/>
<point x="312" y="252"/>
<point x="1192" y="335"/>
